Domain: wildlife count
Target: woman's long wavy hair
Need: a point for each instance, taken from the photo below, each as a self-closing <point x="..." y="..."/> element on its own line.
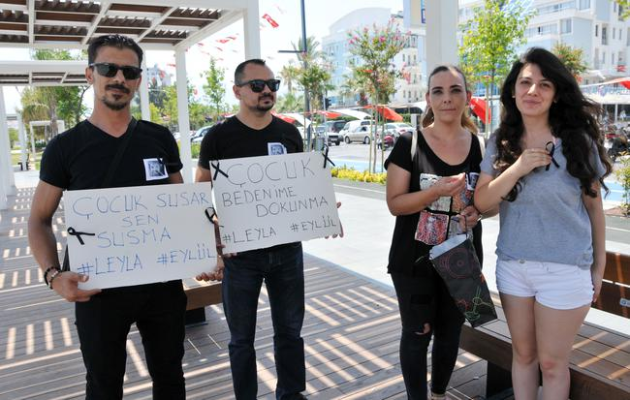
<point x="429" y="117"/>
<point x="572" y="118"/>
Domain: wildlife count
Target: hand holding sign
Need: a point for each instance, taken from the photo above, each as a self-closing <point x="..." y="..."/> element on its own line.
<point x="67" y="286"/>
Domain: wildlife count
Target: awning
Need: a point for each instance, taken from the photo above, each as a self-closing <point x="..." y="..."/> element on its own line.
<point x="299" y="118"/>
<point x="353" y="113"/>
<point x="329" y="114"/>
<point x="478" y="107"/>
<point x="387" y="113"/>
<point x="283" y="117"/>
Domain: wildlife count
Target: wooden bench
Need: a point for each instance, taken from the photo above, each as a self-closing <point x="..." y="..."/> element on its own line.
<point x="600" y="361"/>
<point x="200" y="295"/>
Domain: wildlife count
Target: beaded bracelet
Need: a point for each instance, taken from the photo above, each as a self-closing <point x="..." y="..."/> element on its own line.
<point x="52" y="268"/>
<point x="52" y="278"/>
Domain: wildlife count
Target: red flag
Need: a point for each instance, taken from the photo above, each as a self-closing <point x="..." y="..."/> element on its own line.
<point x="223" y="41"/>
<point x="271" y="21"/>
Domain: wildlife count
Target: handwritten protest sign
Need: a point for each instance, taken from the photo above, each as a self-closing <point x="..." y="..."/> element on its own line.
<point x="139" y="235"/>
<point x="265" y="201"/>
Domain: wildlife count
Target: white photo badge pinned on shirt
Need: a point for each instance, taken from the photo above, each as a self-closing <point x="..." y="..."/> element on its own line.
<point x="275" y="148"/>
<point x="155" y="169"/>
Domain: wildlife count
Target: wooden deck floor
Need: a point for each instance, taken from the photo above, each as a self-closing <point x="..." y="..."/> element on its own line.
<point x="351" y="334"/>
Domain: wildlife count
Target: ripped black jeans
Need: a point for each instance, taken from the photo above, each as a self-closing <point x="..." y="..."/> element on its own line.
<point x="417" y="304"/>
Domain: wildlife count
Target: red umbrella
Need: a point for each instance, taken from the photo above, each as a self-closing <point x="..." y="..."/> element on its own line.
<point x="626" y="83"/>
<point x="329" y="114"/>
<point x="387" y="113"/>
<point x="479" y="106"/>
<point x="284" y="117"/>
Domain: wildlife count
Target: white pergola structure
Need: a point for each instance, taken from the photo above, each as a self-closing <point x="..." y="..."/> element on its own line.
<point x="172" y="25"/>
<point x="29" y="73"/>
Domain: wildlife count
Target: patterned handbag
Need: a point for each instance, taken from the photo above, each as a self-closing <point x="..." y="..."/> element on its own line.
<point x="457" y="263"/>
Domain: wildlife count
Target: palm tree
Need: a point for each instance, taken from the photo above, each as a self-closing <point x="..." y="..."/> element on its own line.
<point x="290" y="103"/>
<point x="311" y="53"/>
<point x="290" y="74"/>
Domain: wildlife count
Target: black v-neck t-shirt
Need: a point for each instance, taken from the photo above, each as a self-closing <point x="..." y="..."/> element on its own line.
<point x="233" y="139"/>
<point x="80" y="157"/>
<point x="412" y="240"/>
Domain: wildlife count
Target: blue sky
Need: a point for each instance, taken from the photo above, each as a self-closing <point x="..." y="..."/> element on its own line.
<point x="320" y="14"/>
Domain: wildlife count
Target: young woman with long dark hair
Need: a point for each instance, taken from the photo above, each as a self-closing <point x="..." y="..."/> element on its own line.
<point x="544" y="167"/>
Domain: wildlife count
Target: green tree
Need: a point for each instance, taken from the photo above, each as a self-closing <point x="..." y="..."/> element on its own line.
<point x="289" y="74"/>
<point x="315" y="81"/>
<point x="197" y="112"/>
<point x="573" y="58"/>
<point x="14" y="136"/>
<point x="157" y="94"/>
<point x="60" y="102"/>
<point x="489" y="44"/>
<point x="214" y="88"/>
<point x="156" y="114"/>
<point x="290" y="103"/>
<point x="624" y="8"/>
<point x="311" y="52"/>
<point x="375" y="49"/>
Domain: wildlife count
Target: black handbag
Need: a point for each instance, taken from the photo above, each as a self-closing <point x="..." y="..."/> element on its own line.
<point x="456" y="261"/>
<point x="65" y="266"/>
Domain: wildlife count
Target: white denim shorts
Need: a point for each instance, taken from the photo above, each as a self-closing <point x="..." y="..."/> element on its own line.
<point x="557" y="286"/>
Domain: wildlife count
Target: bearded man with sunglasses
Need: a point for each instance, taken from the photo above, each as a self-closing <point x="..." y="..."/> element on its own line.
<point x="252" y="132"/>
<point x="111" y="149"/>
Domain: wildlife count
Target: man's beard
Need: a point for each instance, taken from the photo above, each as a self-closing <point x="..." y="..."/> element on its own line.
<point x="265" y="107"/>
<point x="114" y="106"/>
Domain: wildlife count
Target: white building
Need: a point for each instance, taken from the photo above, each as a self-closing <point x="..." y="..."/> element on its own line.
<point x="592" y="25"/>
<point x="160" y="76"/>
<point x="409" y="87"/>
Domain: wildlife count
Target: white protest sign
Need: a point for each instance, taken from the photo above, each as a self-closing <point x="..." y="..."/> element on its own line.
<point x="139" y="235"/>
<point x="270" y="200"/>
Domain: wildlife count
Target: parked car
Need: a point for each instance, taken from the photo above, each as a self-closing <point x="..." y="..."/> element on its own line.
<point x="397" y="128"/>
<point x="357" y="131"/>
<point x="199" y="135"/>
<point x="332" y="131"/>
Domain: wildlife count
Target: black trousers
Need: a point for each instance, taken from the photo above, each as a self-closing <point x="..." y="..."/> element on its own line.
<point x="417" y="307"/>
<point x="103" y="324"/>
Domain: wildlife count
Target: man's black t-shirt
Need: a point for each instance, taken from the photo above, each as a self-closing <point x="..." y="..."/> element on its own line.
<point x="412" y="240"/>
<point x="80" y="157"/>
<point x="233" y="139"/>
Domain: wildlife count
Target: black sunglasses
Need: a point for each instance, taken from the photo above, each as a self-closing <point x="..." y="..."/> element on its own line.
<point x="258" y="85"/>
<point x="110" y="70"/>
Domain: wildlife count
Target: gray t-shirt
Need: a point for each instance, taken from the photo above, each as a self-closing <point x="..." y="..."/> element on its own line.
<point x="548" y="220"/>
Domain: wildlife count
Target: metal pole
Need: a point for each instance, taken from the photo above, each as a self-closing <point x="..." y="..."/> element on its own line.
<point x="307" y="103"/>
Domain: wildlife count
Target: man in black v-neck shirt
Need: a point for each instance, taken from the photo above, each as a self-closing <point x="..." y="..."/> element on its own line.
<point x="255" y="132"/>
<point x="80" y="158"/>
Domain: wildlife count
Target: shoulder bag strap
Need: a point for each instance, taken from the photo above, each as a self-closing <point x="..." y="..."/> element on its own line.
<point x="121" y="149"/>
